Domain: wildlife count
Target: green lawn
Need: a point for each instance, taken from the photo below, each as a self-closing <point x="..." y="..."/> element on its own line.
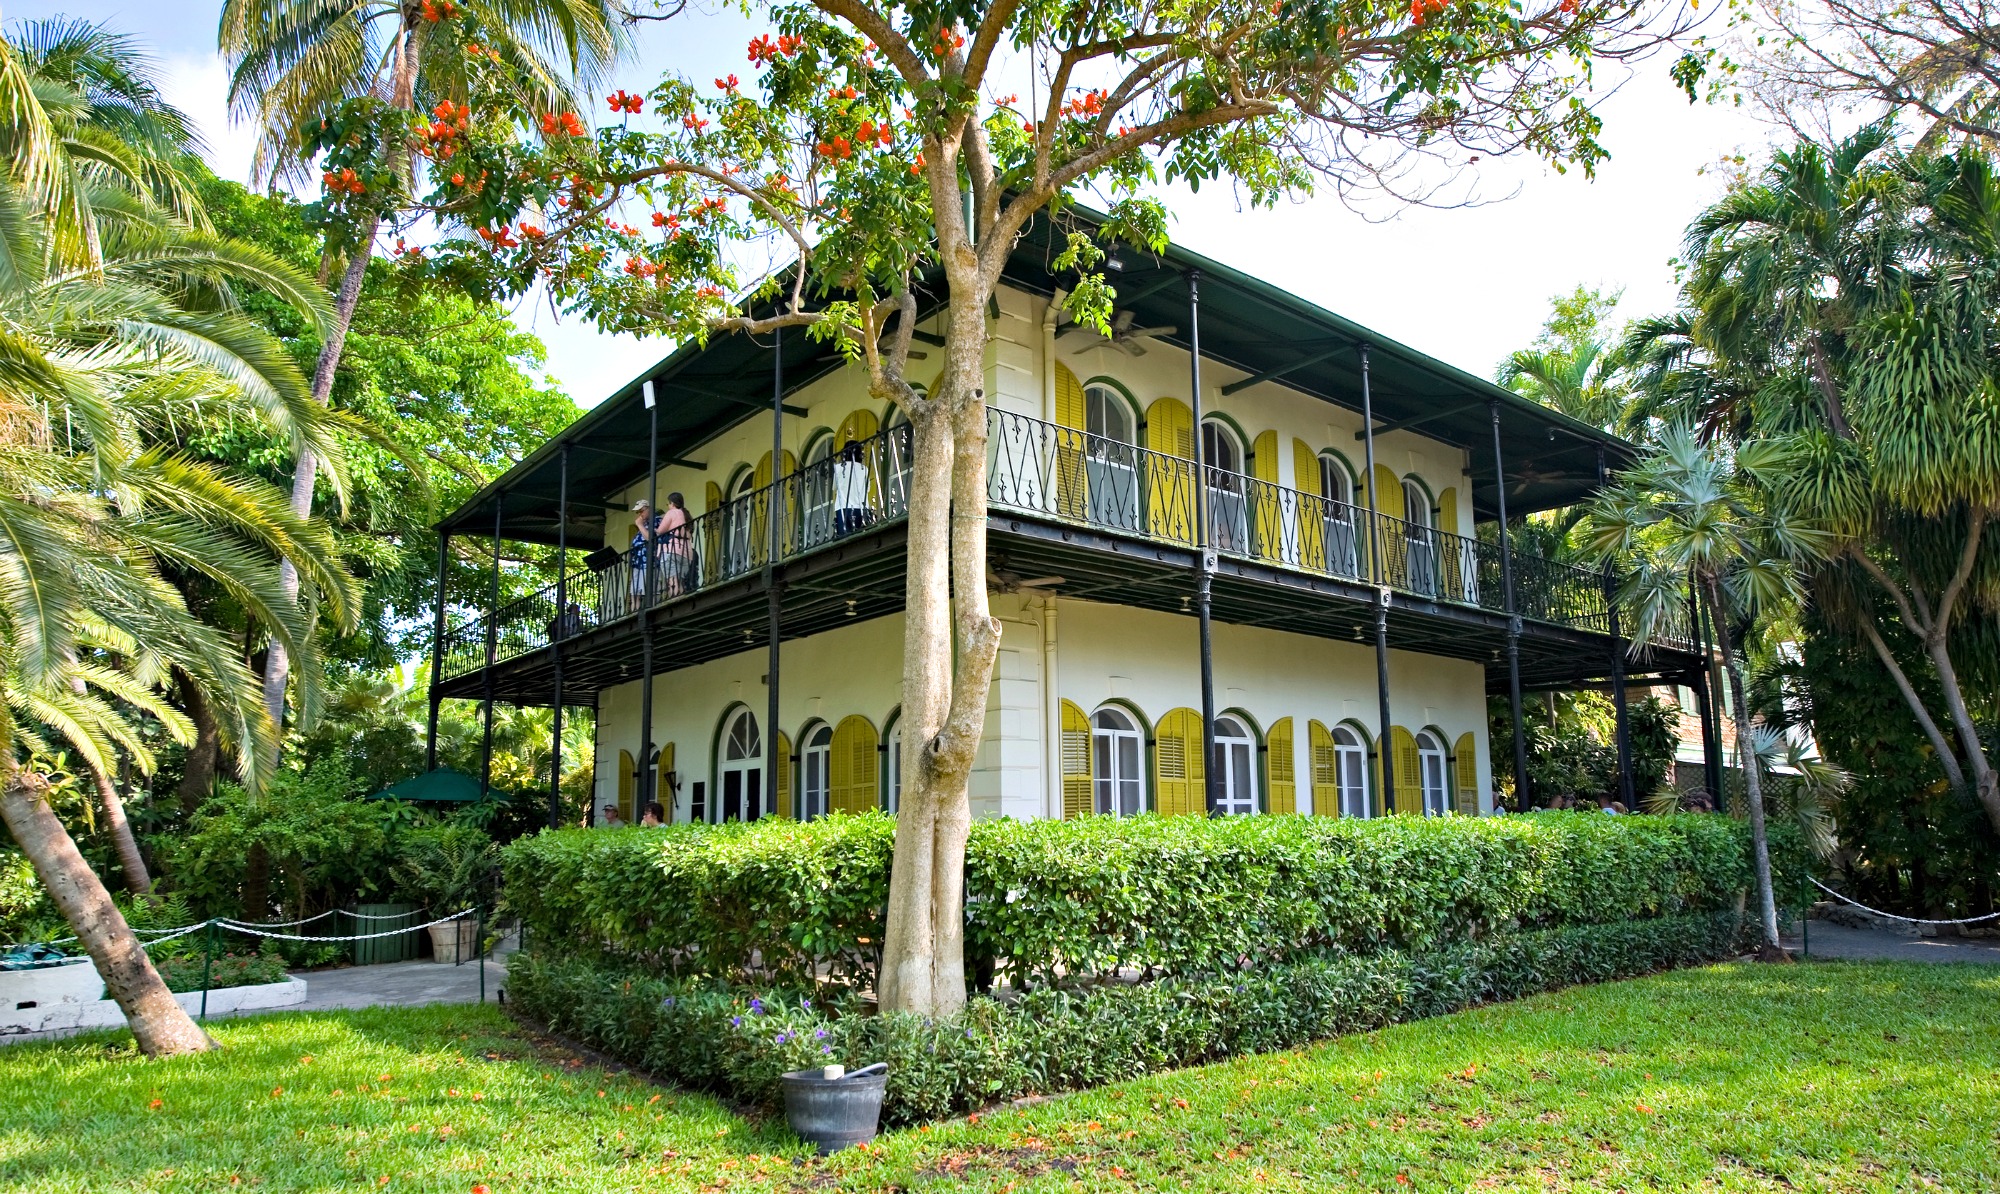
<point x="1813" y="1077"/>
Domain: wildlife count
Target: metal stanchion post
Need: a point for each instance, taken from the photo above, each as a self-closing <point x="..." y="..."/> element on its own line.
<point x="1805" y="916"/>
<point x="479" y="949"/>
<point x="207" y="958"/>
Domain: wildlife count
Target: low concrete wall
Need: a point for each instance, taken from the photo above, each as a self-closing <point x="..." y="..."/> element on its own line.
<point x="61" y="998"/>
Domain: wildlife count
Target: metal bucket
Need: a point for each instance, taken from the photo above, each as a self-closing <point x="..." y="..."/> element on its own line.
<point x="835" y="1113"/>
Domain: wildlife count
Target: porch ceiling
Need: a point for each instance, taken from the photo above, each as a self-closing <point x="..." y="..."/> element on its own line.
<point x="863" y="578"/>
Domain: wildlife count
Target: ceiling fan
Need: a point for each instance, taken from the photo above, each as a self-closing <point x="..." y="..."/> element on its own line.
<point x="1123" y="334"/>
<point x="1007" y="582"/>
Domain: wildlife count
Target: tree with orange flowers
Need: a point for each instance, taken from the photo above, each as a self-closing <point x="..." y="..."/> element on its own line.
<point x="879" y="143"/>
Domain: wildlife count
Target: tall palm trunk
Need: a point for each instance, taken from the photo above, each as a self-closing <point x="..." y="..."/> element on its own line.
<point x="278" y="662"/>
<point x="1772" y="950"/>
<point x="133" y="863"/>
<point x="161" y="1026"/>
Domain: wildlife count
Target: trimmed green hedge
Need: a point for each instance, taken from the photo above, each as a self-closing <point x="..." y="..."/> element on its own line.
<point x="1171" y="895"/>
<point x="727" y="1038"/>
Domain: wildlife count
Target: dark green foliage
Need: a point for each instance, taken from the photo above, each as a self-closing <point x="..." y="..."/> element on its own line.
<point x="183" y="972"/>
<point x="1088" y="896"/>
<point x="1578" y="755"/>
<point x="738" y="1041"/>
<point x="1909" y="843"/>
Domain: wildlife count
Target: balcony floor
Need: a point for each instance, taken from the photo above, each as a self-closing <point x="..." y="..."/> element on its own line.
<point x="862" y="577"/>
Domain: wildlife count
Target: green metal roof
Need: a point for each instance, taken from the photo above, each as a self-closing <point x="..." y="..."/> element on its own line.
<point x="1245" y="323"/>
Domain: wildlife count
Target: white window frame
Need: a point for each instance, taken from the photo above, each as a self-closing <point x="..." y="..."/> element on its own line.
<point x="892" y="778"/>
<point x="1350" y="763"/>
<point x="1232" y="735"/>
<point x="815" y="771"/>
<point x="1112" y="792"/>
<point x="1433" y="764"/>
<point x="744" y="765"/>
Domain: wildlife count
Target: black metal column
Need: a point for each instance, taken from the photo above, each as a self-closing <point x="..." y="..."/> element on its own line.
<point x="643" y="782"/>
<point x="558" y="629"/>
<point x="1626" y="788"/>
<point x="1378" y="564"/>
<point x="1204" y="557"/>
<point x="437" y="655"/>
<point x="1521" y="792"/>
<point x="775" y="505"/>
<point x="492" y="651"/>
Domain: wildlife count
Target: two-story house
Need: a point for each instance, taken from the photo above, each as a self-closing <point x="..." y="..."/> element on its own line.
<point x="1332" y="483"/>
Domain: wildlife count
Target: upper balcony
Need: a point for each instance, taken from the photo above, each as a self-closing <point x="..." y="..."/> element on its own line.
<point x="1121" y="521"/>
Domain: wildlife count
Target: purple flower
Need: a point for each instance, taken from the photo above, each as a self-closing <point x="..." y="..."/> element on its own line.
<point x="757" y="1006"/>
<point x="736" y="1021"/>
<point x="805" y="1005"/>
<point x="781" y="1038"/>
<point x="826" y="1049"/>
<point x="968" y="1034"/>
<point x="819" y="1034"/>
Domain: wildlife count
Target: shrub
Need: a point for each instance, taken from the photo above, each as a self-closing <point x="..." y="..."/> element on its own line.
<point x="183" y="972"/>
<point x="738" y="1040"/>
<point x="1088" y="896"/>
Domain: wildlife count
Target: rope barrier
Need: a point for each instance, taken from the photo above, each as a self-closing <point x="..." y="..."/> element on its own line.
<point x="1908" y="920"/>
<point x="253" y="931"/>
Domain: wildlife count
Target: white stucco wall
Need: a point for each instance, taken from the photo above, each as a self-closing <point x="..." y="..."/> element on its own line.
<point x="1101" y="652"/>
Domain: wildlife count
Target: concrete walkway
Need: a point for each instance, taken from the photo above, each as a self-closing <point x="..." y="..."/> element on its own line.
<point x="398" y="984"/>
<point x="1831" y="941"/>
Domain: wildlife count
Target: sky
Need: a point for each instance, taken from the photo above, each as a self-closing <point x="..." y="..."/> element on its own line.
<point x="1466" y="284"/>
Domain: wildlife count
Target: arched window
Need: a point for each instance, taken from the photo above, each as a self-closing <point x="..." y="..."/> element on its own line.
<point x="1111" y="461"/>
<point x="892" y="792"/>
<point x="1115" y="754"/>
<point x="742" y="769"/>
<point x="895" y="456"/>
<point x="1350" y="771"/>
<point x="741" y="523"/>
<point x="1228" y="513"/>
<point x="1339" y="523"/>
<point x="1107" y="415"/>
<point x="1236" y="767"/>
<point x="815" y="771"/>
<point x="816" y="497"/>
<point x="1431" y="773"/>
<point x="1422" y="544"/>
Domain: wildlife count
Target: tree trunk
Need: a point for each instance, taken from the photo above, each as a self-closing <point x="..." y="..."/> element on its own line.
<point x="137" y="877"/>
<point x="278" y="663"/>
<point x="1985" y="781"/>
<point x="944" y="692"/>
<point x="159" y="1023"/>
<point x="1772" y="949"/>
<point x="198" y="772"/>
<point x="1946" y="757"/>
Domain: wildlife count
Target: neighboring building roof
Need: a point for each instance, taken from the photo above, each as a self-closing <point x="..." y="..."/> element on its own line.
<point x="1245" y="323"/>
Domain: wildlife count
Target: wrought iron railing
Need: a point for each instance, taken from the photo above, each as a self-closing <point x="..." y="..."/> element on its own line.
<point x="864" y="483"/>
<point x="1057" y="473"/>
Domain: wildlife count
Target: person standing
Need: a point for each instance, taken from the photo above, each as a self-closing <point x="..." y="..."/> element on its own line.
<point x="640" y="558"/>
<point x="676" y="547"/>
<point x="850" y="490"/>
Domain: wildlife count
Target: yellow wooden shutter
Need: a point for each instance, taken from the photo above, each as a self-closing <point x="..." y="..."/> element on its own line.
<point x="714" y="498"/>
<point x="1267" y="526"/>
<point x="1388" y="492"/>
<point x="1077" y="798"/>
<point x="1325" y="770"/>
<point x="628" y="784"/>
<point x="1179" y="778"/>
<point x="1312" y="532"/>
<point x="1281" y="767"/>
<point x="1169" y="483"/>
<point x="1072" y="479"/>
<point x="710" y="549"/>
<point x="854" y="778"/>
<point x="1409" y="777"/>
<point x="1451" y="565"/>
<point x="784" y="785"/>
<point x="1465" y="774"/>
<point x="860" y="424"/>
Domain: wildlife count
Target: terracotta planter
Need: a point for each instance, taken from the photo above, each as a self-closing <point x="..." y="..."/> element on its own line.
<point x="454" y="940"/>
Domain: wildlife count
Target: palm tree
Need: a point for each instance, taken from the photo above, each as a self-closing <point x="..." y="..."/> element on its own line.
<point x="1716" y="514"/>
<point x="297" y="63"/>
<point x="115" y="326"/>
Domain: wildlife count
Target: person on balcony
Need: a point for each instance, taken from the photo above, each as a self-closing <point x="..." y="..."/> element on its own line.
<point x="850" y="490"/>
<point x="676" y="547"/>
<point x="566" y="624"/>
<point x="640" y="558"/>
